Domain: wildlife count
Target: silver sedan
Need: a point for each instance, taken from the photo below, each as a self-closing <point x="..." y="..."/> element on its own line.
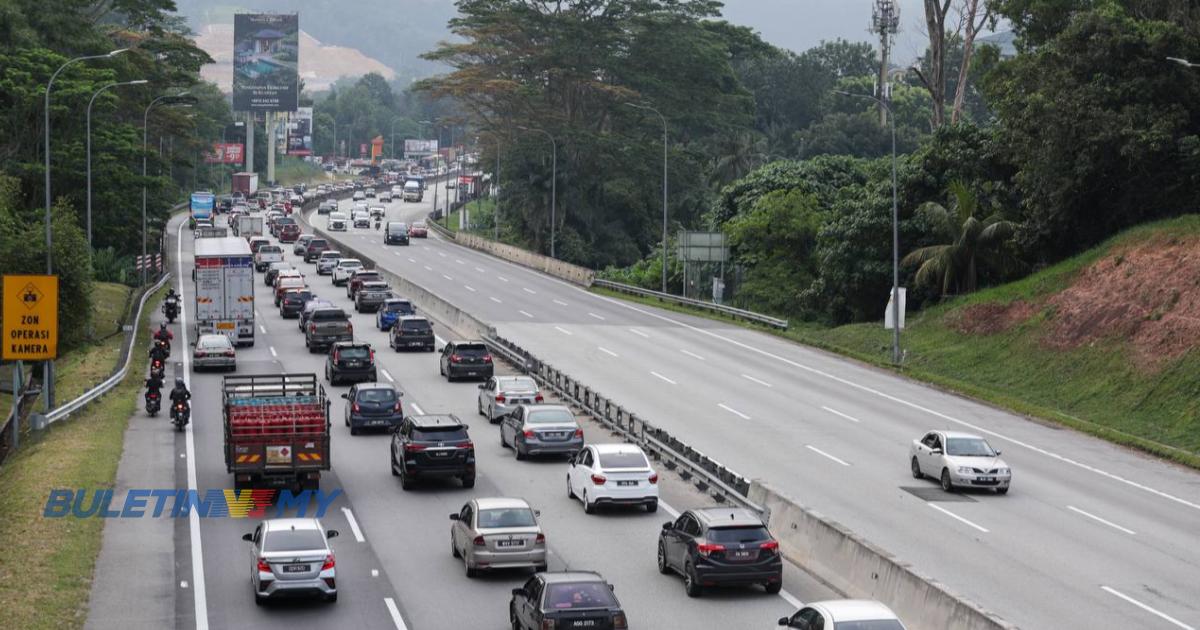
<point x="497" y="533"/>
<point x="541" y="430"/>
<point x="291" y="557"/>
<point x="214" y="351"/>
<point x="500" y="395"/>
<point x="959" y="460"/>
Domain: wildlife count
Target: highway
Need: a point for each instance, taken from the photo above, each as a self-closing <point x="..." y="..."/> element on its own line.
<point x="1091" y="535"/>
<point x="394" y="564"/>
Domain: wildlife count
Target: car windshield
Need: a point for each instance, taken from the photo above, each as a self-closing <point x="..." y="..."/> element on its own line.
<point x="471" y="350"/>
<point x="869" y="624"/>
<point x="623" y="460"/>
<point x="548" y="416"/>
<point x="270" y="249"/>
<point x="506" y="517"/>
<point x="969" y="447"/>
<point x="382" y="394"/>
<point x="294" y="540"/>
<point x="318" y="242"/>
<point x="517" y="384"/>
<point x="354" y="352"/>
<point x="397" y="228"/>
<point x="579" y="595"/>
<point x="329" y="315"/>
<point x="440" y="434"/>
<point x="399" y="307"/>
<point x="416" y="325"/>
<point x="738" y="534"/>
<point x="297" y="296"/>
<point x="214" y="342"/>
<point x="346" y="264"/>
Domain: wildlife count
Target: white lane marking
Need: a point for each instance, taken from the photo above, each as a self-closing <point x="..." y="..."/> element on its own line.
<point x="387" y="375"/>
<point x="469" y="288"/>
<point x="273" y="353"/>
<point x="911" y="405"/>
<point x="526" y="314"/>
<point x="353" y="525"/>
<point x="459" y="261"/>
<point x="496" y="300"/>
<point x="395" y="612"/>
<point x="838" y="413"/>
<point x="374" y="572"/>
<point x="417" y="408"/>
<point x="412" y="260"/>
<point x="425" y="247"/>
<point x="560" y="302"/>
<point x="824" y="454"/>
<point x="755" y="380"/>
<point x="733" y="411"/>
<point x="609" y="352"/>
<point x="396" y="253"/>
<point x="183" y="584"/>
<point x="590" y="314"/>
<point x="480" y="270"/>
<point x="428" y="268"/>
<point x="956" y="517"/>
<point x="692" y="354"/>
<point x="1100" y="520"/>
<point x="663" y="377"/>
<point x="262" y="328"/>
<point x="502" y="278"/>
<point x="442" y="254"/>
<point x="1164" y="616"/>
<point x="200" y="592"/>
<point x="639" y="333"/>
<point x="529" y="291"/>
<point x="439" y="339"/>
<point x="447" y="277"/>
<point x="257" y="314"/>
<point x="563" y="330"/>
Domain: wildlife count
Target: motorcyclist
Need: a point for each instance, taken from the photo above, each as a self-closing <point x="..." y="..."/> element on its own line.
<point x="163" y="333"/>
<point x="154" y="383"/>
<point x="159" y="352"/>
<point x="180" y="393"/>
<point x="172" y="296"/>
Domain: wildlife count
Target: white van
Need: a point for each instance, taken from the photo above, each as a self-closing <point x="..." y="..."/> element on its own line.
<point x="338" y="221"/>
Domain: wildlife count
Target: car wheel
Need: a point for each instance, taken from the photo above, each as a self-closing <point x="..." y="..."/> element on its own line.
<point x="691" y="585"/>
<point x="1003" y="490"/>
<point x="570" y="491"/>
<point x="503" y="442"/>
<point x="469" y="570"/>
<point x="454" y="549"/>
<point x="588" y="506"/>
<point x="395" y="473"/>
<point x="662" y="560"/>
<point x="773" y="588"/>
<point x="374" y="376"/>
<point x="406" y="482"/>
<point x="332" y="599"/>
<point x="347" y="419"/>
<point x="946" y="485"/>
<point x="652" y="507"/>
<point x="512" y="618"/>
<point x="259" y="599"/>
<point x="520" y="454"/>
<point x="468" y="482"/>
<point x="916" y="469"/>
<point x="354" y="430"/>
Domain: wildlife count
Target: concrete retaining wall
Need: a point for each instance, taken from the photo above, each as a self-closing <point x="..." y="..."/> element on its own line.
<point x="526" y="258"/>
<point x="863" y="571"/>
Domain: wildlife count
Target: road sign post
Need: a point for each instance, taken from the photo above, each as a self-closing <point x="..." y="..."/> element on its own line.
<point x="31" y="324"/>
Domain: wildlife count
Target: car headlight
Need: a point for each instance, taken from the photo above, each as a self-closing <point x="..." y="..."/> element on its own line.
<point x="1005" y="471"/>
<point x="965" y="470"/>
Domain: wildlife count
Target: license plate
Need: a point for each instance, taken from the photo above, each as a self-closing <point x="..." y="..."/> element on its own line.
<point x="295" y="568"/>
<point x="353" y="363"/>
<point x="626" y="483"/>
<point x="554" y="435"/>
<point x="741" y="555"/>
<point x="376" y="422"/>
<point x="510" y="543"/>
<point x="988" y="479"/>
<point x="440" y="453"/>
<point x="583" y="623"/>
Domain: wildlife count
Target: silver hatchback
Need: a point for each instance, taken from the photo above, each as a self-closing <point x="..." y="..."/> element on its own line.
<point x="541" y="430"/>
<point x="291" y="557"/>
<point x="500" y="395"/>
<point x="497" y="533"/>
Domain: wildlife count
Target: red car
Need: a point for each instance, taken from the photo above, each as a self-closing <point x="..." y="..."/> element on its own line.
<point x="418" y="230"/>
<point x="289" y="232"/>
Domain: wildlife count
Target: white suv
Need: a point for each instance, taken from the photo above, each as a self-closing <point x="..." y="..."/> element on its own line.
<point x="612" y="474"/>
<point x="344" y="269"/>
<point x="338" y="221"/>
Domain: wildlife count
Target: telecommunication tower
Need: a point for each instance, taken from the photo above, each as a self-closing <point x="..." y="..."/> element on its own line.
<point x="885" y="21"/>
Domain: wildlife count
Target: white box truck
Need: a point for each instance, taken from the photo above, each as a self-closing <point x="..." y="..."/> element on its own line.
<point x="225" y="289"/>
<point x="248" y="226"/>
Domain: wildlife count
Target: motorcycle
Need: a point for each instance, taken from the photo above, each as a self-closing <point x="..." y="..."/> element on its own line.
<point x="171" y="310"/>
<point x="157" y="368"/>
<point x="153" y="401"/>
<point x="179" y="415"/>
<point x="165" y="344"/>
<point x="377" y="223"/>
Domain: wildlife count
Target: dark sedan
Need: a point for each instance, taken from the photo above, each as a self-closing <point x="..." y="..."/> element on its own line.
<point x="372" y="406"/>
<point x="293" y="302"/>
<point x="566" y="599"/>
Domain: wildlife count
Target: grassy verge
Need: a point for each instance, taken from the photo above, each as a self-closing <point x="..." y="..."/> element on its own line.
<point x="47" y="564"/>
<point x="479" y="212"/>
<point x="290" y="171"/>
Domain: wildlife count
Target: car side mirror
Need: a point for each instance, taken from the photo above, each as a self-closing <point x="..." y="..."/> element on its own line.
<point x="248" y="537"/>
<point x="537" y="512"/>
<point x="454" y="517"/>
<point x="783" y="621"/>
<point x="518" y="592"/>
<point x="998" y="453"/>
<point x="483" y="386"/>
<point x="936" y="451"/>
<point x="192" y="343"/>
<point x="333" y="533"/>
<point x="346" y="396"/>
<point x="668" y="526"/>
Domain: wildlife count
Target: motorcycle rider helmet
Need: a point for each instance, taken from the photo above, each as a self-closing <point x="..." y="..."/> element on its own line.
<point x="178" y="381"/>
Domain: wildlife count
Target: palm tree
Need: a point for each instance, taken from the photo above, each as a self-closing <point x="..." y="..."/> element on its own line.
<point x="737" y="154"/>
<point x="972" y="241"/>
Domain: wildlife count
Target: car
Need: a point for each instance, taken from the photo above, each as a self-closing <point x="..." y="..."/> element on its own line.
<point x="450" y="184"/>
<point x="350" y="360"/>
<point x="214" y="351"/>
<point x="285" y="273"/>
<point x="497" y="533"/>
<point x="308" y="309"/>
<point x="266" y="255"/>
<point x="326" y="326"/>
<point x="566" y="599"/>
<point x="338" y="221"/>
<point x="377" y="212"/>
<point x="370" y="296"/>
<point x="370" y="193"/>
<point x="358" y="278"/>
<point x="301" y="244"/>
<point x="359" y="196"/>
<point x="411" y="332"/>
<point x="959" y="460"/>
<point x="362" y="219"/>
<point x="257" y="242"/>
<point x="287" y="230"/>
<point x="314" y="249"/>
<point x="395" y="232"/>
<point x="469" y="359"/>
<point x="291" y="557"/>
<point x="717" y="546"/>
<point x="541" y="430"/>
<point x="419" y="230"/>
<point x="612" y="474"/>
<point x="345" y="268"/>
<point x="843" y="613"/>
<point x="390" y="310"/>
<point x="372" y="406"/>
<point x="328" y="206"/>
<point x="436" y="445"/>
<point x="273" y="270"/>
<point x="283" y="283"/>
<point x="500" y="395"/>
<point x="293" y="302"/>
<point x="327" y="260"/>
<point x="385" y="196"/>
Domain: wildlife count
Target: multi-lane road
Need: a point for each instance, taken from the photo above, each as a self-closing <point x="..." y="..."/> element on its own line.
<point x="1091" y="535"/>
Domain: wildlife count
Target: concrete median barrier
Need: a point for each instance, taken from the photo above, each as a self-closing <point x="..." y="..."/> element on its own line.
<point x="525" y="258"/>
<point x="861" y="570"/>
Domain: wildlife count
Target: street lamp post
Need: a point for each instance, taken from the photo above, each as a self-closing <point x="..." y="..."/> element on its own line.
<point x="884" y="102"/>
<point x="89" y="149"/>
<point x="664" y="190"/>
<point x="145" y="130"/>
<point x="553" y="185"/>
<point x="225" y="128"/>
<point x="1184" y="62"/>
<point x="393" y="134"/>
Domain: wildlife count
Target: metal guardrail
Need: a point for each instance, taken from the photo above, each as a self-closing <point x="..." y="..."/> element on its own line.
<point x="735" y="313"/>
<point x="707" y="474"/>
<point x="107" y="384"/>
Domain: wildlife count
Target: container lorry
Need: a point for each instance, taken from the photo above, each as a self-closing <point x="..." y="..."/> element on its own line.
<point x="276" y="430"/>
<point x="245" y="183"/>
<point x="248" y="226"/>
<point x="224" y="277"/>
<point x="200" y="207"/>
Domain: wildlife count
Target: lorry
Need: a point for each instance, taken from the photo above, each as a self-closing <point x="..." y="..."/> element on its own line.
<point x="248" y="226"/>
<point x="200" y="207"/>
<point x="412" y="191"/>
<point x="224" y="277"/>
<point x="245" y="183"/>
<point x="276" y="430"/>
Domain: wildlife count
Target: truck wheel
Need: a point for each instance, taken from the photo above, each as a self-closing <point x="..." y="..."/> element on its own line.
<point x="468" y="482"/>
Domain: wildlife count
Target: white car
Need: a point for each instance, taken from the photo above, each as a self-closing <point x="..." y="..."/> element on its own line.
<point x="612" y="474"/>
<point x="362" y="219"/>
<point x="338" y="221"/>
<point x="359" y="195"/>
<point x="344" y="269"/>
<point x="385" y="196"/>
<point x="959" y="460"/>
<point x="378" y="211"/>
<point x="500" y="395"/>
<point x="327" y="261"/>
<point x="843" y="613"/>
<point x="214" y="351"/>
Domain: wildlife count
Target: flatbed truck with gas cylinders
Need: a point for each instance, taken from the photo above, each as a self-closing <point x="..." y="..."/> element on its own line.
<point x="276" y="430"/>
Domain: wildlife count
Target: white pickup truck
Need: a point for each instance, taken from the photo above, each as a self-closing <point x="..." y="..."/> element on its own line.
<point x="266" y="255"/>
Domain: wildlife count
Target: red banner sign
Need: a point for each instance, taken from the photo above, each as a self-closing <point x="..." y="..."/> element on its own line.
<point x="228" y="153"/>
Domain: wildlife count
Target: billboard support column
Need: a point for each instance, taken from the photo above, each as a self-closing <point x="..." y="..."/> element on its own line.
<point x="249" y="153"/>
<point x="271" y="122"/>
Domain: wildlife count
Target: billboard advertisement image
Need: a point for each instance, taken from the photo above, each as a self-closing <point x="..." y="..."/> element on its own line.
<point x="266" y="55"/>
<point x="418" y="148"/>
<point x="228" y="153"/>
<point x="299" y="132"/>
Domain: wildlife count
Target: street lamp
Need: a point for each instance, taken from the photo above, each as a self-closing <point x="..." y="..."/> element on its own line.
<point x="664" y="189"/>
<point x="225" y="128"/>
<point x="553" y="184"/>
<point x="145" y="129"/>
<point x="89" y="149"/>
<point x="393" y="134"/>
<point x="895" y="229"/>
<point x="1184" y="62"/>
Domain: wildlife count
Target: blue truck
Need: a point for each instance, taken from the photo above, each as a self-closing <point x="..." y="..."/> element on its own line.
<point x="201" y="207"/>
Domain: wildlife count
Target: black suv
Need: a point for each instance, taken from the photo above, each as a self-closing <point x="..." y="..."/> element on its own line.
<point x="411" y="332"/>
<point x="349" y="360"/>
<point x="469" y="359"/>
<point x="432" y="446"/>
<point x="293" y="302"/>
<point x="371" y="406"/>
<point x="566" y="599"/>
<point x="395" y="232"/>
<point x="720" y="546"/>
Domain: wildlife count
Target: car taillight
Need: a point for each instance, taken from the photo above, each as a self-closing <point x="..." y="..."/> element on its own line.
<point x="229" y="353"/>
<point x="263" y="566"/>
<point x="578" y="433"/>
<point x="770" y="545"/>
<point x="541" y="538"/>
<point x="619" y="622"/>
<point x="355" y="408"/>
<point x="538" y="398"/>
<point x="653" y="478"/>
<point x="599" y="479"/>
<point x="350" y="327"/>
<point x="707" y="548"/>
<point x="528" y="433"/>
<point x="466" y="445"/>
<point x="487" y="358"/>
<point x="312" y="327"/>
<point x="372" y="356"/>
<point x="547" y="624"/>
<point x="329" y="563"/>
<point x="397" y="408"/>
<point x="500" y="398"/>
<point x="413" y="448"/>
<point x="478" y="542"/>
<point x="337" y="356"/>
<point x="454" y="358"/>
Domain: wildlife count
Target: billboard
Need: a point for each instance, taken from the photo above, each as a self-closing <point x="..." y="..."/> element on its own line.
<point x="299" y="132"/>
<point x="266" y="56"/>
<point x="227" y="153"/>
<point x="417" y="148"/>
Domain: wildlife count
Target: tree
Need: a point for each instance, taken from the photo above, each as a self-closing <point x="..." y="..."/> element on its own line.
<point x="953" y="266"/>
<point x="736" y="154"/>
<point x="933" y="75"/>
<point x="775" y="241"/>
<point x="974" y="15"/>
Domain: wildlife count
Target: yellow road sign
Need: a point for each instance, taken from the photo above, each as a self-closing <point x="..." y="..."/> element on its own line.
<point x="30" y="318"/>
